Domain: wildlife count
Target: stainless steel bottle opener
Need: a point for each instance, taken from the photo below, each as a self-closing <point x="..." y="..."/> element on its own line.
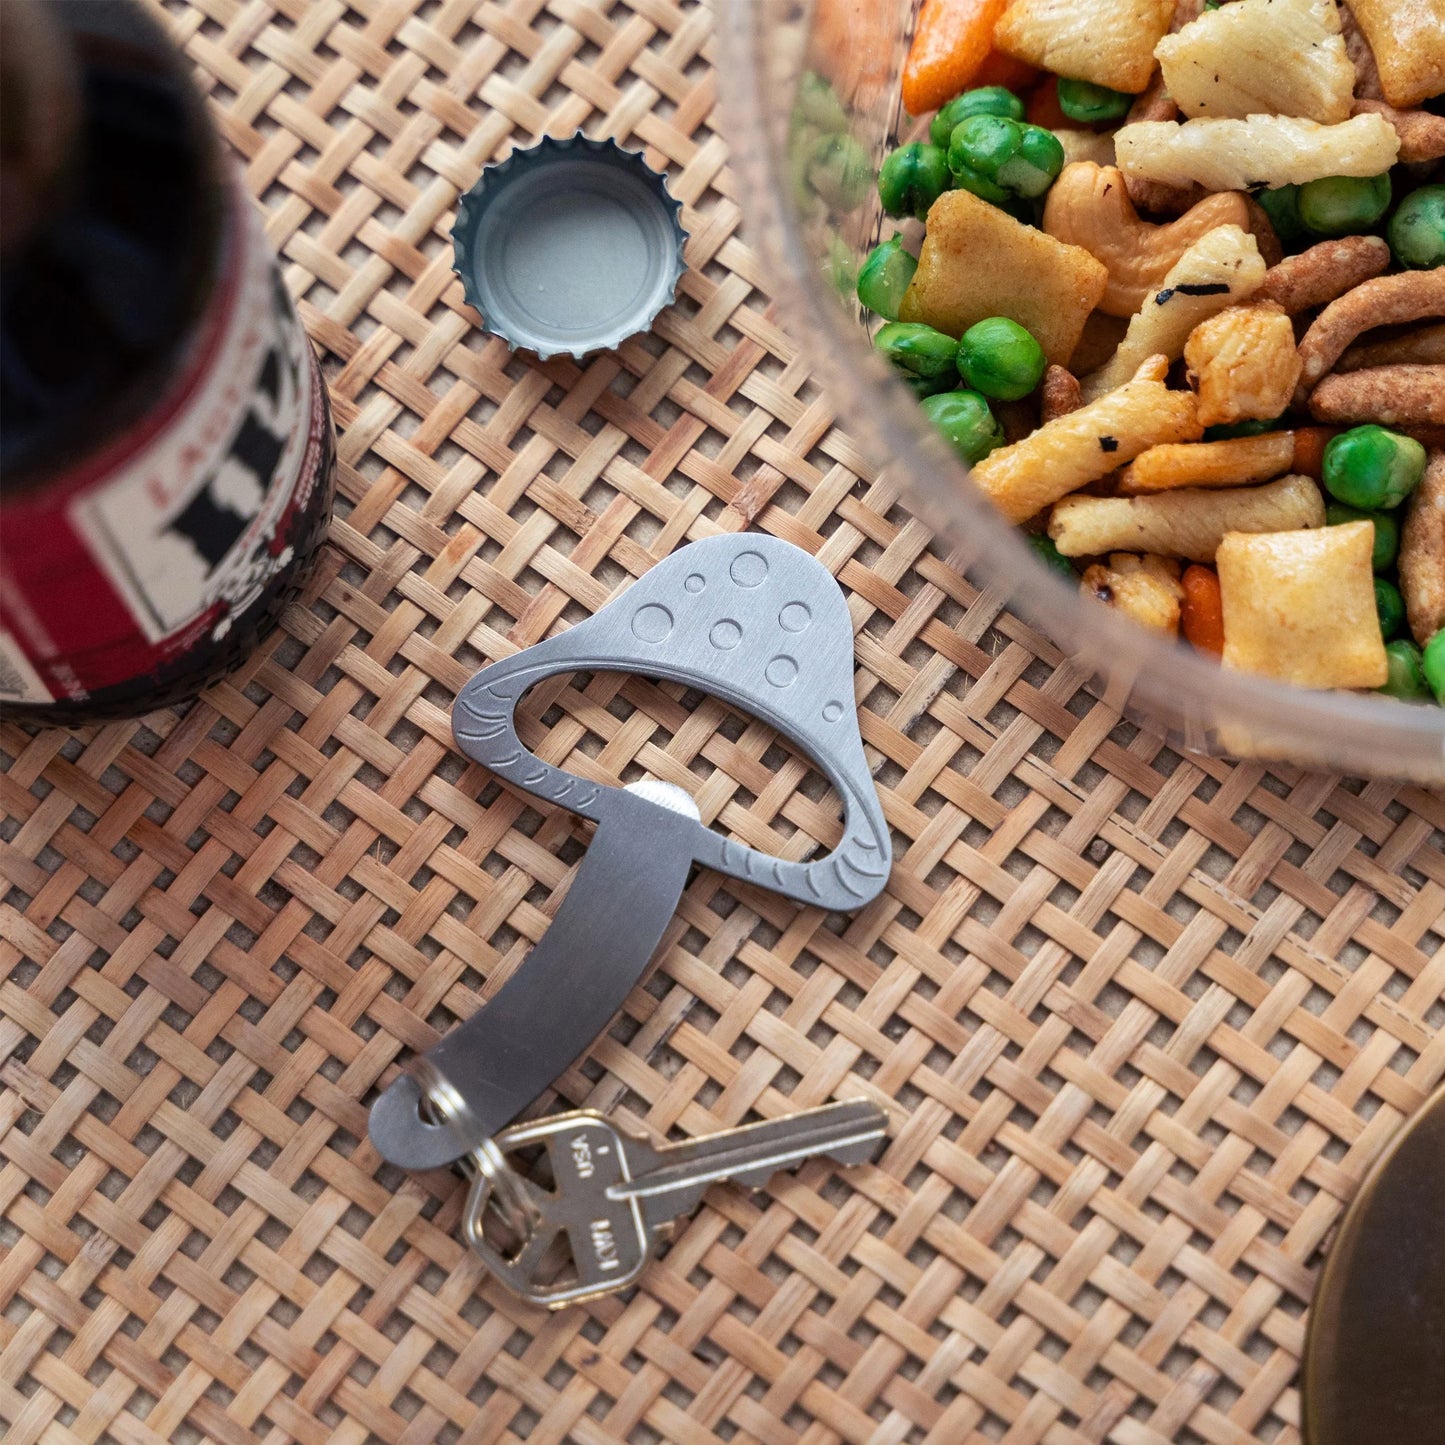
<point x="747" y="618"/>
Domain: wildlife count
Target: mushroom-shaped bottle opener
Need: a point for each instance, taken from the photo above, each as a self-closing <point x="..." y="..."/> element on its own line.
<point x="750" y="619"/>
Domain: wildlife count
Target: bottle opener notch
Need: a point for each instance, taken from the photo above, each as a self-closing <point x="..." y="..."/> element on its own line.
<point x="750" y="619"/>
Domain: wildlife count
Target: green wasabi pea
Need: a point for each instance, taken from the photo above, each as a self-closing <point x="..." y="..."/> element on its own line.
<point x="1417" y="229"/>
<point x="1001" y="359"/>
<point x="966" y="422"/>
<point x="923" y="355"/>
<point x="986" y="100"/>
<point x="912" y="178"/>
<point x="885" y="276"/>
<point x="1002" y="160"/>
<point x="1343" y="205"/>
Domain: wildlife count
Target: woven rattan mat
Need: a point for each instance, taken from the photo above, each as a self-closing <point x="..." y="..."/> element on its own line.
<point x="1141" y="1021"/>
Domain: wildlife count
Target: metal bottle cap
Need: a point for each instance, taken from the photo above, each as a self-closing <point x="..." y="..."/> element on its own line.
<point x="571" y="246"/>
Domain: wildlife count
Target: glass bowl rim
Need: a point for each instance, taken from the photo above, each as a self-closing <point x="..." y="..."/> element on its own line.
<point x="895" y="429"/>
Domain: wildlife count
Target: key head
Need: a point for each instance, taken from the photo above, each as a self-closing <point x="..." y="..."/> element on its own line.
<point x="604" y="1230"/>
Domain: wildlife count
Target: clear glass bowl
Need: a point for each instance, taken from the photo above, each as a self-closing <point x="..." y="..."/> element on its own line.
<point x="771" y="50"/>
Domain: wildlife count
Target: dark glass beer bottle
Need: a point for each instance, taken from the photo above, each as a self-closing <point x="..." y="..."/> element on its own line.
<point x="166" y="451"/>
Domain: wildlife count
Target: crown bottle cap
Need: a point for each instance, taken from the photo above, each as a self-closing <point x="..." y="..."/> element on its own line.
<point x="570" y="246"/>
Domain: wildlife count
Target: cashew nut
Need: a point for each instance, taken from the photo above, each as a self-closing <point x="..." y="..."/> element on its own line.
<point x="1089" y="206"/>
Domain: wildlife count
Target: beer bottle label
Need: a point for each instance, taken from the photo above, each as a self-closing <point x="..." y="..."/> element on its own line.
<point x="141" y="561"/>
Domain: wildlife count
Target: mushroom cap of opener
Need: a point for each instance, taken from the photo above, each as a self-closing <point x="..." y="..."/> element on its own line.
<point x="752" y="620"/>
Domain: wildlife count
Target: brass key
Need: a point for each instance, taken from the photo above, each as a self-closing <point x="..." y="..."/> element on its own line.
<point x="615" y="1195"/>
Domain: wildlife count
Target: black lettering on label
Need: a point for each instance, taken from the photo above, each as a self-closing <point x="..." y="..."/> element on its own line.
<point x="269" y="381"/>
<point x="258" y="448"/>
<point x="212" y="527"/>
<point x="211" y="521"/>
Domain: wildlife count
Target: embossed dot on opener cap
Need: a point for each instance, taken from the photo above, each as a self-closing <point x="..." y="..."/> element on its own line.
<point x="569" y="247"/>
